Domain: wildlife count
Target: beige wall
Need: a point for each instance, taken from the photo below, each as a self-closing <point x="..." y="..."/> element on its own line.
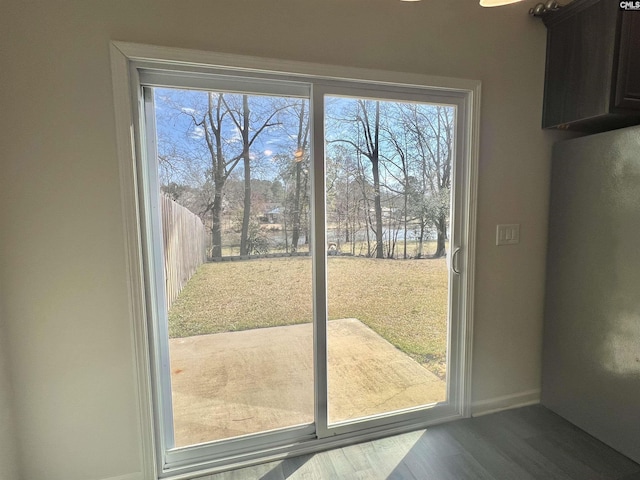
<point x="63" y="266"/>
<point x="8" y="442"/>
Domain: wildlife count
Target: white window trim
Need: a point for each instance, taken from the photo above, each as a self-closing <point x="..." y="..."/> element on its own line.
<point x="124" y="56"/>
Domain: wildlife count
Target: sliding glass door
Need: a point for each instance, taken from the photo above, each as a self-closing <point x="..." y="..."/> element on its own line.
<point x="303" y="268"/>
<point x="388" y="188"/>
<point x="232" y="170"/>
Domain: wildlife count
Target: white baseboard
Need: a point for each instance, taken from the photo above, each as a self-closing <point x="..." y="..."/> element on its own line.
<point x="506" y="402"/>
<point x="127" y="476"/>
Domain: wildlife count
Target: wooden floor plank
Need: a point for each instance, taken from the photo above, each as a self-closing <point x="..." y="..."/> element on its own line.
<point x="633" y="476"/>
<point x="581" y="448"/>
<point x="436" y="441"/>
<point x="490" y="455"/>
<point x="499" y="434"/>
<point x="529" y="443"/>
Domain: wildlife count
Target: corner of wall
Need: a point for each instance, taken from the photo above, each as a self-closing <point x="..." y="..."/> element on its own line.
<point x="9" y="459"/>
<point x="506" y="402"/>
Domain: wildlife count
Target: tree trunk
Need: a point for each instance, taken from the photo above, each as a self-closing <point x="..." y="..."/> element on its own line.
<point x="246" y="214"/>
<point x="367" y="220"/>
<point x="295" y="234"/>
<point x="304" y="210"/>
<point x="406" y="201"/>
<point x="216" y="229"/>
<point x="285" y="214"/>
<point x="441" y="226"/>
<point x="298" y="196"/>
<point x="374" y="157"/>
<point x="286" y="234"/>
<point x="420" y="240"/>
<point x="378" y="206"/>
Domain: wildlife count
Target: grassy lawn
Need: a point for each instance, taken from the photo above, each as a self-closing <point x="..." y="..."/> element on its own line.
<point x="405" y="301"/>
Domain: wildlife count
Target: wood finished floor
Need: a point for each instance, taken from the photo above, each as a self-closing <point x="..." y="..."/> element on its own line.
<point x="521" y="444"/>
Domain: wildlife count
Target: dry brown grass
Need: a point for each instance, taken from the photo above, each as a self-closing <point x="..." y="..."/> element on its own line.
<point x="405" y="301"/>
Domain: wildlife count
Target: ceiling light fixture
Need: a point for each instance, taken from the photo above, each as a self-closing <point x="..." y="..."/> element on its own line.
<point x="496" y="3"/>
<point x="540" y="9"/>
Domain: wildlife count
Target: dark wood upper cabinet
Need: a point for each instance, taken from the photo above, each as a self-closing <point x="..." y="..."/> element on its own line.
<point x="592" y="80"/>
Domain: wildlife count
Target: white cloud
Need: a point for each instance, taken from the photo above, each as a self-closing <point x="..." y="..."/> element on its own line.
<point x="197" y="132"/>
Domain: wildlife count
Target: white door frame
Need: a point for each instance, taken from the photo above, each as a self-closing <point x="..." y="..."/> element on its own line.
<point x="454" y="404"/>
<point x="126" y="58"/>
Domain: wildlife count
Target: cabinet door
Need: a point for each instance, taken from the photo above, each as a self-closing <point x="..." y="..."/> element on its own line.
<point x="580" y="57"/>
<point x="628" y="81"/>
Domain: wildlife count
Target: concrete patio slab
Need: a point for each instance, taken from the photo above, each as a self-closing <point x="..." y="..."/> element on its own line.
<point x="237" y="383"/>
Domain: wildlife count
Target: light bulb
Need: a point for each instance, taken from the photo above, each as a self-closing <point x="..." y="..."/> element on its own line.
<point x="496" y="3"/>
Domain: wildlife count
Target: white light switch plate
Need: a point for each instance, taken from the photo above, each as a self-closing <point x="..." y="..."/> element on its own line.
<point x="508" y="234"/>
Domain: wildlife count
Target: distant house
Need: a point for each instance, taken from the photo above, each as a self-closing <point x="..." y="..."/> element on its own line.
<point x="274" y="215"/>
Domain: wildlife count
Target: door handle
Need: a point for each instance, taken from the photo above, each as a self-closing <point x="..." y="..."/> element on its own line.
<point x="454" y="261"/>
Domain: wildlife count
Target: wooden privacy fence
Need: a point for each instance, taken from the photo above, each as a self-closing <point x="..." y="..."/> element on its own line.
<point x="184" y="238"/>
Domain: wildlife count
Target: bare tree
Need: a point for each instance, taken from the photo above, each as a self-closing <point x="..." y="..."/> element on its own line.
<point x="388" y="168"/>
<point x="250" y="128"/>
<point x="431" y="129"/>
<point x="401" y="173"/>
<point x="344" y="192"/>
<point x="210" y="122"/>
<point x="366" y="123"/>
<point x="301" y="174"/>
<point x="207" y="119"/>
<point x="293" y="163"/>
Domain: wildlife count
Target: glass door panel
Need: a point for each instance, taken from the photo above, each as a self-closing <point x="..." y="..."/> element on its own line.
<point x="233" y="189"/>
<point x="388" y="189"/>
<point x="292" y="299"/>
